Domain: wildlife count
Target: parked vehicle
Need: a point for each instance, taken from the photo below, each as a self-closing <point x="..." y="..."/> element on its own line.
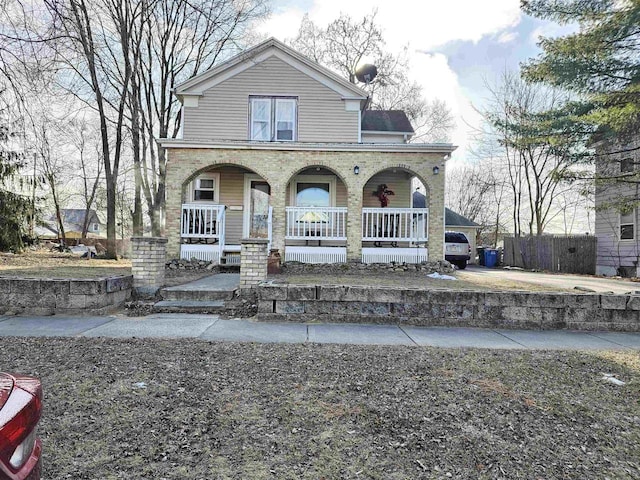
<point x="457" y="249"/>
<point x="20" y="409"/>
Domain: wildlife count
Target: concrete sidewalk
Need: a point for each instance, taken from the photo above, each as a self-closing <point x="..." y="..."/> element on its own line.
<point x="211" y="327"/>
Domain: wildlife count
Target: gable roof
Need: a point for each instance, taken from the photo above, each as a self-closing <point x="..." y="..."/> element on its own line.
<point x="75" y="216"/>
<point x="386" y="121"/>
<point x="244" y="60"/>
<point x="453" y="219"/>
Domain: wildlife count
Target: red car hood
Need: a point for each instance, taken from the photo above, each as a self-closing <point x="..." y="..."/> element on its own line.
<point x="6" y="385"/>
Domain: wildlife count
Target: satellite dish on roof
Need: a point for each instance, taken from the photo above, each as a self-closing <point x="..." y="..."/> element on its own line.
<point x="366" y="73"/>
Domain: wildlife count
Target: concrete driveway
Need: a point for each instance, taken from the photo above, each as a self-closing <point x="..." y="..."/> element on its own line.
<point x="478" y="274"/>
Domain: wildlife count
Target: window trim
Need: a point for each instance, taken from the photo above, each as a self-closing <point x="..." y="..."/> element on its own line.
<point x="329" y="179"/>
<point x="273" y="116"/>
<point x="620" y="224"/>
<point x="631" y="165"/>
<point x="193" y="186"/>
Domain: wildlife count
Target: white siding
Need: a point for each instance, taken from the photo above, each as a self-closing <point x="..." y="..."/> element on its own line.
<point x="223" y="110"/>
<point x="613" y="252"/>
<point x="382" y="138"/>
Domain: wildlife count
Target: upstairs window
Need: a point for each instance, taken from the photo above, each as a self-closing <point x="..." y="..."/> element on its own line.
<point x="273" y="119"/>
<point x="626" y="165"/>
<point x="627" y="225"/>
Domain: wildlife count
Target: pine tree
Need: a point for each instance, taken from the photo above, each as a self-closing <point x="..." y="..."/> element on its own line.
<point x="14" y="208"/>
<point x="600" y="62"/>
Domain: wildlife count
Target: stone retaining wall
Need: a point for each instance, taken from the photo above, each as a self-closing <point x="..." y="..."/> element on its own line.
<point x="44" y="296"/>
<point x="354" y="304"/>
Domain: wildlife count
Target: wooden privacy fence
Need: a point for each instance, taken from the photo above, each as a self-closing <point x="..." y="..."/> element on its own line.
<point x="554" y="253"/>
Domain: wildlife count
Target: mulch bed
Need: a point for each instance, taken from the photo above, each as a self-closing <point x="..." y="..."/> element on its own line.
<point x="191" y="409"/>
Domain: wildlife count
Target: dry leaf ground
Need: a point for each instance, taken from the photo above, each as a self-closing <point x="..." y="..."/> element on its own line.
<point x="122" y="409"/>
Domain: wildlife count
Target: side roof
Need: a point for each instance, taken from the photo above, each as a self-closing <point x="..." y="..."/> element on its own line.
<point x="453" y="219"/>
<point x="386" y="121"/>
<point x="244" y="60"/>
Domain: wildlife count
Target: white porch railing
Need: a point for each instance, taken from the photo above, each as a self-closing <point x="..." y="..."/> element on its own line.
<point x="316" y="223"/>
<point x="395" y="224"/>
<point x="270" y="228"/>
<point x="202" y="223"/>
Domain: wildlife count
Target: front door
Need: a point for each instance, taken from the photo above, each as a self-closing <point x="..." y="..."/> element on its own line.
<point x="257" y="196"/>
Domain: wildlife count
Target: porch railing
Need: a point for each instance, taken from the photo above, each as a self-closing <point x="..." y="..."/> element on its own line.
<point x="395" y="224"/>
<point x="316" y="223"/>
<point x="270" y="228"/>
<point x="203" y="223"/>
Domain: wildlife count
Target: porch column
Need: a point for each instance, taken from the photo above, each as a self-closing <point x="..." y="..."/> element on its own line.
<point x="173" y="210"/>
<point x="435" y="203"/>
<point x="354" y="223"/>
<point x="278" y="203"/>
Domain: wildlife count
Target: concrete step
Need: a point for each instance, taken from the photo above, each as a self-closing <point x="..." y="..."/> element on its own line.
<point x="189" y="306"/>
<point x="191" y="295"/>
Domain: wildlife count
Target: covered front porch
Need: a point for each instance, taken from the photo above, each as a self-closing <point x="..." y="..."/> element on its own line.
<point x="228" y="203"/>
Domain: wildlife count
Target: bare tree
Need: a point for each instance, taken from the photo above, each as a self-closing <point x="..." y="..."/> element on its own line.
<point x="535" y="165"/>
<point x="344" y="45"/>
<point x="178" y="40"/>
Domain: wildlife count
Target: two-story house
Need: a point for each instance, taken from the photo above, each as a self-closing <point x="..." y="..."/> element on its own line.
<point x="616" y="219"/>
<point x="276" y="146"/>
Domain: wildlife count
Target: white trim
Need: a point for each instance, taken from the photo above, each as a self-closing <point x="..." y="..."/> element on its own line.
<point x="387" y="132"/>
<point x="215" y="176"/>
<point x="351" y="105"/>
<point x="205" y="253"/>
<point x="359" y="126"/>
<point x="258" y="54"/>
<point x="315" y="254"/>
<point x="330" y="179"/>
<point x="190" y="100"/>
<point x="399" y="255"/>
<point x="443" y="148"/>
<point x="248" y="178"/>
<point x="635" y="228"/>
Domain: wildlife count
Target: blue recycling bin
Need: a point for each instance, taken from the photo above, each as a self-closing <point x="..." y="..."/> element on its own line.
<point x="490" y="257"/>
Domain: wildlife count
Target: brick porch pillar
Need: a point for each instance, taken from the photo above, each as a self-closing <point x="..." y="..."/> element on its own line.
<point x="148" y="257"/>
<point x="253" y="262"/>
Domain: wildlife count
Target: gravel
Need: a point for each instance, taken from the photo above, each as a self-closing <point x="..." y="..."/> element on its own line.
<point x="191" y="409"/>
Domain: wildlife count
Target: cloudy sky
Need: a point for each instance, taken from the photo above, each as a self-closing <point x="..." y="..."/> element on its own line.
<point x="456" y="45"/>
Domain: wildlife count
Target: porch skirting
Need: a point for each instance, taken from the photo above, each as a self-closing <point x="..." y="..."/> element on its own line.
<point x="206" y="253"/>
<point x="315" y="254"/>
<point x="399" y="255"/>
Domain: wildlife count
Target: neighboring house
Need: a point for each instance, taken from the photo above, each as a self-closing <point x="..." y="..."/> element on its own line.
<point x="616" y="228"/>
<point x="73" y="221"/>
<point x="276" y="146"/>
<point x="454" y="222"/>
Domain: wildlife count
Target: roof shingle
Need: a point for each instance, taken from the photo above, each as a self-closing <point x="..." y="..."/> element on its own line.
<point x="386" y="121"/>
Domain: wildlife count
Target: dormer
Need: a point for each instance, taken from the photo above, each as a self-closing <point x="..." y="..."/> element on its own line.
<point x="386" y="126"/>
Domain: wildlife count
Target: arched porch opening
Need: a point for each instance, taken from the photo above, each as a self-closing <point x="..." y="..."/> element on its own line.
<point x="221" y="204"/>
<point x="395" y="217"/>
<point x="316" y="200"/>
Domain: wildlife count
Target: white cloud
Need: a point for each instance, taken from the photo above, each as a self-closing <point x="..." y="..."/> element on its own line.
<point x="507" y="37"/>
<point x="422" y="26"/>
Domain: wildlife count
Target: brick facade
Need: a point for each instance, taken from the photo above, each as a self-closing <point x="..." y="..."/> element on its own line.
<point x="278" y="167"/>
<point x="148" y="257"/>
<point x="253" y="262"/>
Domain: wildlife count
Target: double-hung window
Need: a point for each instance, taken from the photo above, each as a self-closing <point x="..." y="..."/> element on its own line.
<point x="273" y="119"/>
<point x="628" y="225"/>
<point x="205" y="188"/>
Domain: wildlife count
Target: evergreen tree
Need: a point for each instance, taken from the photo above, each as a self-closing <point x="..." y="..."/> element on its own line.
<point x="14" y="208"/>
<point x="600" y="62"/>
